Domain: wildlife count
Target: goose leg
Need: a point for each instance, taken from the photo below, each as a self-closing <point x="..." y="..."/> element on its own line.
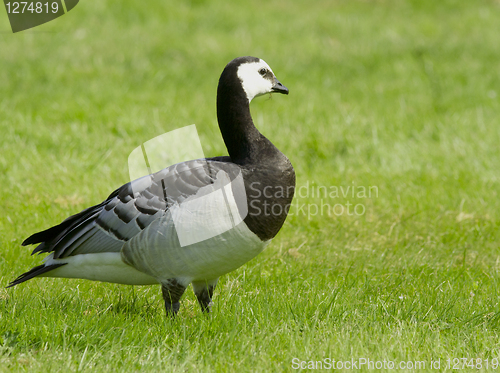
<point x="204" y="290"/>
<point x="172" y="292"/>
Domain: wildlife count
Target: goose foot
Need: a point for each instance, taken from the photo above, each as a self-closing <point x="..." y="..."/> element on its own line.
<point x="204" y="290"/>
<point x="172" y="292"/>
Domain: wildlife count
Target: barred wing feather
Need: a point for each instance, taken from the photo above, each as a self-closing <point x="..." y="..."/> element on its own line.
<point x="129" y="209"/>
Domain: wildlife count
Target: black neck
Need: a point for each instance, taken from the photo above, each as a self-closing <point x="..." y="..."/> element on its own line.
<point x="263" y="166"/>
<point x="243" y="140"/>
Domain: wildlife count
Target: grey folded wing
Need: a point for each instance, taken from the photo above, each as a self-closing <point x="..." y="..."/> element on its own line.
<point x="128" y="210"/>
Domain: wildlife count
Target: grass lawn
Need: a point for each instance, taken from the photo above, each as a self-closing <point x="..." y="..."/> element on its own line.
<point x="396" y="98"/>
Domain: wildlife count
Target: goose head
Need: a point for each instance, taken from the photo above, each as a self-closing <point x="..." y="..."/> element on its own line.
<point x="257" y="78"/>
<point x="249" y="77"/>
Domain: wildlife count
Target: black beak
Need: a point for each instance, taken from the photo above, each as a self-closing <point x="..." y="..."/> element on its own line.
<point x="279" y="88"/>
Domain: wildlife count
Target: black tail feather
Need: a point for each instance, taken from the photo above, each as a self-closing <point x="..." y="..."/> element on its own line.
<point x="47" y="236"/>
<point x="53" y="232"/>
<point x="33" y="272"/>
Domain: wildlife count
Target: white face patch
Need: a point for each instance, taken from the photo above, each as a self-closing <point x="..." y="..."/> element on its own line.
<point x="253" y="82"/>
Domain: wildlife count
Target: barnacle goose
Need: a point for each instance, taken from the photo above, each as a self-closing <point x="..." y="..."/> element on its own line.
<point x="133" y="237"/>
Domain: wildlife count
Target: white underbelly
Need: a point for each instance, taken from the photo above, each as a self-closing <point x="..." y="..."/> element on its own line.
<point x="106" y="267"/>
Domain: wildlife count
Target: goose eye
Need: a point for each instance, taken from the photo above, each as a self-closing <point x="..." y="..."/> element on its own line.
<point x="262" y="71"/>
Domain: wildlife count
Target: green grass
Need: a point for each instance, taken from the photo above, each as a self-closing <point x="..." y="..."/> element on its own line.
<point x="400" y="95"/>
